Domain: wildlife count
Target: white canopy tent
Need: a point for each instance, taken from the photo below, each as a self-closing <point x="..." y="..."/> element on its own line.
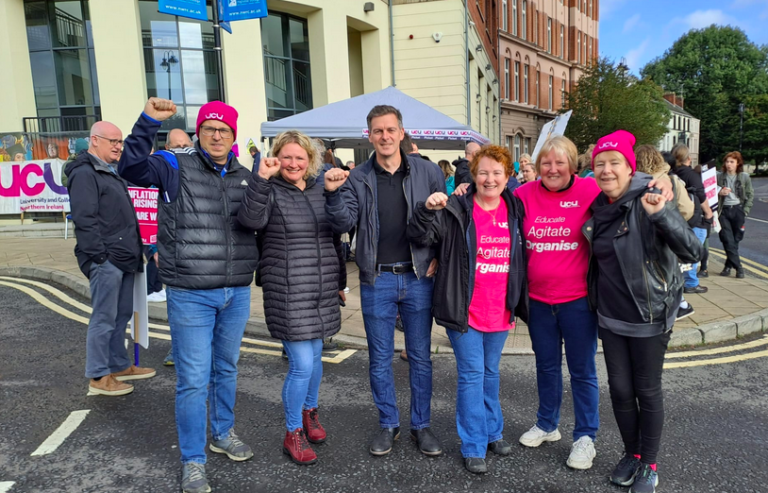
<point x="343" y="124"/>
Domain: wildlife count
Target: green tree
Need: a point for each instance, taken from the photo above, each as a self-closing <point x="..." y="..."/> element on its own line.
<point x="605" y="99"/>
<point x="715" y="69"/>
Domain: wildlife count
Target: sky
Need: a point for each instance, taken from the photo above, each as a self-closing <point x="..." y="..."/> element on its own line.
<point x="641" y="30"/>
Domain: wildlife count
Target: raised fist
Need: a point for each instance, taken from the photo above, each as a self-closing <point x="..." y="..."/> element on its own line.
<point x="334" y="178"/>
<point x="269" y="167"/>
<point x="436" y="201"/>
<point x="653" y="203"/>
<point x="160" y="109"/>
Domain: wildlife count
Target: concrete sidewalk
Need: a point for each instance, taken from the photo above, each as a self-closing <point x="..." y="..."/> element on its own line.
<point x="731" y="307"/>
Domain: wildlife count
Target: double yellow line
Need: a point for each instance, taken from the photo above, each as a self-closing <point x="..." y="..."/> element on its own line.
<point x="261" y="347"/>
<point x="759" y="270"/>
<point x="763" y="341"/>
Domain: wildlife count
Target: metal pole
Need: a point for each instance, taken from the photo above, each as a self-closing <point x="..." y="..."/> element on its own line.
<point x="391" y="45"/>
<point x="741" y="125"/>
<point x="217" y="50"/>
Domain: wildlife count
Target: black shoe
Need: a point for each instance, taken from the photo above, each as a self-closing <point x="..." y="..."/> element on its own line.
<point x="329" y="345"/>
<point x="696" y="290"/>
<point x="427" y="441"/>
<point x="285" y="355"/>
<point x="726" y="272"/>
<point x="739" y="273"/>
<point x="399" y="324"/>
<point x="500" y="447"/>
<point x="646" y="480"/>
<point x="624" y="475"/>
<point x="685" y="312"/>
<point x="475" y="465"/>
<point x="704" y="273"/>
<point x="382" y="443"/>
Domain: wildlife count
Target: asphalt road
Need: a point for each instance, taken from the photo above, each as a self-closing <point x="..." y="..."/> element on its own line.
<point x="715" y="438"/>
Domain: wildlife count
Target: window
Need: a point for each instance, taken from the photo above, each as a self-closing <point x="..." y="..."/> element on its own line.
<point x="527" y="145"/>
<point x="589" y="57"/>
<point x="549" y="35"/>
<point x="504" y="14"/>
<point x="584" y="50"/>
<point x="525" y="84"/>
<point x="516" y="154"/>
<point x="525" y="20"/>
<point x="589" y="12"/>
<point x="562" y="92"/>
<point x="551" y="93"/>
<point x="535" y="27"/>
<point x="179" y="63"/>
<point x="538" y="80"/>
<point x="506" y="79"/>
<point x="517" y="81"/>
<point x="287" y="77"/>
<point x="514" y="17"/>
<point x="562" y="42"/>
<point x="578" y="47"/>
<point x="61" y="56"/>
<point x="584" y="6"/>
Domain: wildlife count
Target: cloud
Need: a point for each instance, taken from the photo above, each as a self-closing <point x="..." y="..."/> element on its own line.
<point x="607" y="7"/>
<point x="631" y="23"/>
<point x="705" y="18"/>
<point x="751" y="4"/>
<point x="632" y="58"/>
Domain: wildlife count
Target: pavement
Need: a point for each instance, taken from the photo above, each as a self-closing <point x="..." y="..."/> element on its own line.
<point x="731" y="308"/>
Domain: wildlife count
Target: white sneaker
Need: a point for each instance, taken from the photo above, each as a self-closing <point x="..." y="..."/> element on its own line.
<point x="158" y="297"/>
<point x="582" y="453"/>
<point x="536" y="436"/>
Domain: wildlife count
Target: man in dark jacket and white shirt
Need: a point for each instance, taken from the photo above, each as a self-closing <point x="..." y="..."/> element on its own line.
<point x="108" y="251"/>
<point x="207" y="261"/>
<point x="379" y="198"/>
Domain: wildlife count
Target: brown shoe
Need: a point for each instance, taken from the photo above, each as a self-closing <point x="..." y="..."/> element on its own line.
<point x="134" y="372"/>
<point x="107" y="385"/>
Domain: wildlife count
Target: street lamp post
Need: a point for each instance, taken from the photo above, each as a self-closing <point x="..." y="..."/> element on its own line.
<point x="168" y="60"/>
<point x="741" y="125"/>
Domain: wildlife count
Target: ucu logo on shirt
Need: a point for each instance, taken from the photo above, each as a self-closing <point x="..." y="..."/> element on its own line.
<point x="569" y="204"/>
<point x="504" y="225"/>
<point x="214" y="116"/>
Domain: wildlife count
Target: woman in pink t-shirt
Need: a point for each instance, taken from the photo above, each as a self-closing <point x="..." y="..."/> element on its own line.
<point x="479" y="289"/>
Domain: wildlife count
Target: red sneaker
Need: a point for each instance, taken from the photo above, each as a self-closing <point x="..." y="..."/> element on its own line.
<point x="312" y="427"/>
<point x="296" y="445"/>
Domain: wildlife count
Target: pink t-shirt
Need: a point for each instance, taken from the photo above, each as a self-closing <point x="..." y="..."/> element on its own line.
<point x="558" y="253"/>
<point x="488" y="310"/>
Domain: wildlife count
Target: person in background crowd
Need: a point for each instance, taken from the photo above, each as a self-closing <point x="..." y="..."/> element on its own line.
<point x="81" y="146"/>
<point x="585" y="163"/>
<point x="462" y="174"/>
<point x="466" y="230"/>
<point x="108" y="251"/>
<point x="285" y="200"/>
<point x="702" y="214"/>
<point x="389" y="263"/>
<point x="525" y="159"/>
<point x="704" y="262"/>
<point x="256" y="156"/>
<point x="448" y="173"/>
<point x="52" y="149"/>
<point x="528" y="172"/>
<point x="635" y="284"/>
<point x="207" y="260"/>
<point x="329" y="160"/>
<point x="735" y="201"/>
<point x="17" y="153"/>
<point x="350" y="165"/>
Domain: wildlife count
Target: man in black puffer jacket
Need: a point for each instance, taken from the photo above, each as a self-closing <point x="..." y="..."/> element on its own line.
<point x="207" y="260"/>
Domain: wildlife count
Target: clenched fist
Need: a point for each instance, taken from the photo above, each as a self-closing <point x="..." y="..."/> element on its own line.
<point x="653" y="203"/>
<point x="334" y="178"/>
<point x="159" y="109"/>
<point x="436" y="201"/>
<point x="269" y="167"/>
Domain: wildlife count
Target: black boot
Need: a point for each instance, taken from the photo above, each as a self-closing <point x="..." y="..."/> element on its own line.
<point x="427" y="441"/>
<point x="726" y="272"/>
<point x="739" y="273"/>
<point x="475" y="465"/>
<point x="382" y="443"/>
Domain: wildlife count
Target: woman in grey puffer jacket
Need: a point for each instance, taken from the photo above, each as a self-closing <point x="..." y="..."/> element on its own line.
<point x="300" y="276"/>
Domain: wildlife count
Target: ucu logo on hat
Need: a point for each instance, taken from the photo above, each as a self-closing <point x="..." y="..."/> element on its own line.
<point x="214" y="116"/>
<point x="612" y="145"/>
<point x="216" y="110"/>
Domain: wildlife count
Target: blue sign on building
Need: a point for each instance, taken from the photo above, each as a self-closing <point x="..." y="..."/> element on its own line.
<point x="194" y="9"/>
<point x="240" y="10"/>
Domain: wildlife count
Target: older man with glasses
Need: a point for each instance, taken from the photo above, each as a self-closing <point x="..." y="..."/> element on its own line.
<point x="207" y="261"/>
<point x="108" y="251"/>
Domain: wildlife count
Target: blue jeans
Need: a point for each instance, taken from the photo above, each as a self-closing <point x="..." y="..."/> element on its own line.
<point x="576" y="325"/>
<point x="112" y="301"/>
<point x="691" y="276"/>
<point x="302" y="383"/>
<point x="207" y="326"/>
<point x="478" y="411"/>
<point x="380" y="304"/>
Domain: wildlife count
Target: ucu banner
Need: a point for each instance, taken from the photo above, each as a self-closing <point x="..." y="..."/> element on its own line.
<point x="33" y="186"/>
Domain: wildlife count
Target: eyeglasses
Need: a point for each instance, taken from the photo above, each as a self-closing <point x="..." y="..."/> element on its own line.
<point x="225" y="133"/>
<point x="112" y="142"/>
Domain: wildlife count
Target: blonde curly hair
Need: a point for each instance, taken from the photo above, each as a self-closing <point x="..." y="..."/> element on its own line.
<point x="313" y="153"/>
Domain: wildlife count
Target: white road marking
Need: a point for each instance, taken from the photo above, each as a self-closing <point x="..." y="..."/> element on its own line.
<point x="6" y="486"/>
<point x="756" y="219"/>
<point x="62" y="432"/>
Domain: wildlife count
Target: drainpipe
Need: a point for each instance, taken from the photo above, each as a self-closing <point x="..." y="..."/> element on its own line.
<point x="466" y="55"/>
<point x="391" y="45"/>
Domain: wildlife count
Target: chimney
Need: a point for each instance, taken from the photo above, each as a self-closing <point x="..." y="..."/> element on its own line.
<point x="674" y="99"/>
<point x="680" y="101"/>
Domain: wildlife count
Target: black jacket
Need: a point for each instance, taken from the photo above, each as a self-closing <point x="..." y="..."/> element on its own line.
<point x="300" y="266"/>
<point x="695" y="188"/>
<point x="453" y="232"/>
<point x="105" y="220"/>
<point x="355" y="204"/>
<point x="649" y="249"/>
<point x="462" y="174"/>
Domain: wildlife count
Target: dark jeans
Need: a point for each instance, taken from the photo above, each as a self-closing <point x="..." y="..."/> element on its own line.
<point x="634" y="366"/>
<point x="704" y="262"/>
<point x="153" y="281"/>
<point x="731" y="220"/>
<point x="112" y="301"/>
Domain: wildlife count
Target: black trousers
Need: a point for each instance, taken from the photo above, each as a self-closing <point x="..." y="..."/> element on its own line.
<point x="153" y="282"/>
<point x="634" y="367"/>
<point x="732" y="218"/>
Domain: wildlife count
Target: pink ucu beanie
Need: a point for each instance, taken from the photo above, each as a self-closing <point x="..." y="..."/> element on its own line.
<point x="619" y="141"/>
<point x="216" y="110"/>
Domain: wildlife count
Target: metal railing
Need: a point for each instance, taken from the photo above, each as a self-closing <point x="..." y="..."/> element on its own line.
<point x="59" y="124"/>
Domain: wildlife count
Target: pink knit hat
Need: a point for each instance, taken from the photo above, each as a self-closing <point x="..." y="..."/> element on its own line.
<point x="216" y="110"/>
<point x="620" y="141"/>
